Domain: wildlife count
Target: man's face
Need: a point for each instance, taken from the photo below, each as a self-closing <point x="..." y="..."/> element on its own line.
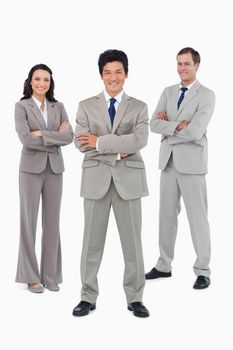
<point x="114" y="76"/>
<point x="186" y="68"/>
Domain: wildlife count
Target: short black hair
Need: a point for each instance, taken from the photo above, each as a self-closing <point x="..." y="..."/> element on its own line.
<point x="111" y="56"/>
<point x="27" y="89"/>
<point x="195" y="55"/>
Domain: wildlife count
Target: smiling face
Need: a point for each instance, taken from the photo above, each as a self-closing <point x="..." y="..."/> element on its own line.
<point x="186" y="68"/>
<point x="40" y="83"/>
<point x="114" y="76"/>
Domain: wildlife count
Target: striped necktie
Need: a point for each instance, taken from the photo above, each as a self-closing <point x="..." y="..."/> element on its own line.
<point x="183" y="90"/>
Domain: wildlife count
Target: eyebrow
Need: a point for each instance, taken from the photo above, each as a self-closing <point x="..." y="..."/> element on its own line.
<point x="38" y="77"/>
<point x="117" y="70"/>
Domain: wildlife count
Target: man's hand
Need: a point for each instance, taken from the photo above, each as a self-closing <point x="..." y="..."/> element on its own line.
<point x="36" y="133"/>
<point x="182" y="125"/>
<point x="64" y="127"/>
<point x="87" y="140"/>
<point x="123" y="154"/>
<point x="162" y="115"/>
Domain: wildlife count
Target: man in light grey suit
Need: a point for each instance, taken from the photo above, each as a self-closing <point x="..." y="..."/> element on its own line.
<point x="182" y="115"/>
<point x="111" y="128"/>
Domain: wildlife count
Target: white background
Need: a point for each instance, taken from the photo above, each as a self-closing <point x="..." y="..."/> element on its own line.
<point x="68" y="36"/>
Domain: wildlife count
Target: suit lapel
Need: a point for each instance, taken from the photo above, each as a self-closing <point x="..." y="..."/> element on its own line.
<point x="51" y="115"/>
<point x="191" y="94"/>
<point x="174" y="99"/>
<point x="120" y="111"/>
<point x="103" y="108"/>
<point x="37" y="113"/>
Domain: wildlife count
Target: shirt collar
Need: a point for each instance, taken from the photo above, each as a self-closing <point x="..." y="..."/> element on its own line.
<point x="189" y="86"/>
<point x="117" y="97"/>
<point x="38" y="103"/>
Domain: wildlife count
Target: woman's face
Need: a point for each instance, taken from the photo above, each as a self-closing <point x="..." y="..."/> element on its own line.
<point x="40" y="83"/>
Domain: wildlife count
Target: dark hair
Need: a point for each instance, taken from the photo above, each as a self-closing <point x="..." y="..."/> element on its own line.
<point x="111" y="56"/>
<point x="195" y="55"/>
<point x="27" y="89"/>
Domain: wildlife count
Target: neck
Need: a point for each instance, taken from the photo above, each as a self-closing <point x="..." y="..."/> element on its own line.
<point x="112" y="94"/>
<point x="41" y="98"/>
<point x="187" y="82"/>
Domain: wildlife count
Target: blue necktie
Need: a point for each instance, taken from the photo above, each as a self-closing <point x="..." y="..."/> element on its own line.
<point x="112" y="110"/>
<point x="183" y="89"/>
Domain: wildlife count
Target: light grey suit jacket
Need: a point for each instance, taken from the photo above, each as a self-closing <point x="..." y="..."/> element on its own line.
<point x="36" y="150"/>
<point x="189" y="146"/>
<point x="129" y="134"/>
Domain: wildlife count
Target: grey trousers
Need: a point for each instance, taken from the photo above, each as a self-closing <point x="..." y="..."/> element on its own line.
<point x="31" y="186"/>
<point x="128" y="217"/>
<point x="192" y="188"/>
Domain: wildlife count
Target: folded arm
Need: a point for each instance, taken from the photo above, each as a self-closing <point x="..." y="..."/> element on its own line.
<point x="25" y="135"/>
<point x="160" y="125"/>
<point x="63" y="136"/>
<point x="129" y="143"/>
<point x="82" y="130"/>
<point x="196" y="128"/>
<point x="82" y="127"/>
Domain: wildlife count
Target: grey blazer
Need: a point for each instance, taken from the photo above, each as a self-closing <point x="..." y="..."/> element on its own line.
<point x="189" y="146"/>
<point x="36" y="150"/>
<point x="129" y="134"/>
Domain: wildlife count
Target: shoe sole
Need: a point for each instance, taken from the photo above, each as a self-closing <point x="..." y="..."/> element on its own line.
<point x="198" y="288"/>
<point x="51" y="289"/>
<point x="33" y="290"/>
<point x="154" y="278"/>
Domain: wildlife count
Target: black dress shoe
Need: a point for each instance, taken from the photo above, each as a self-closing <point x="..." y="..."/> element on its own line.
<point x="83" y="308"/>
<point x="154" y="273"/>
<point x="138" y="309"/>
<point x="201" y="282"/>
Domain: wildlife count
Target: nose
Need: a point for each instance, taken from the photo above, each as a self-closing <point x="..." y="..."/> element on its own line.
<point x="182" y="67"/>
<point x="113" y="77"/>
<point x="42" y="83"/>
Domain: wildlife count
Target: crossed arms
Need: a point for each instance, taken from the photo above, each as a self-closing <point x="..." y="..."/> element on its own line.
<point x="42" y="140"/>
<point x="126" y="144"/>
<point x="182" y="131"/>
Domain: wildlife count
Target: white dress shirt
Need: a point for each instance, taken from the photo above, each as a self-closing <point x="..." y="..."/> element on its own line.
<point x="117" y="97"/>
<point x="44" y="112"/>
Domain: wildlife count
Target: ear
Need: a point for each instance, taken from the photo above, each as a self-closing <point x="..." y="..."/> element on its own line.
<point x="197" y="66"/>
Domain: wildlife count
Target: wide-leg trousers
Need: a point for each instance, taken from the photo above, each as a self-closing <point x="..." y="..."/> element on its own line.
<point x="48" y="186"/>
<point x="192" y="188"/>
<point x="128" y="217"/>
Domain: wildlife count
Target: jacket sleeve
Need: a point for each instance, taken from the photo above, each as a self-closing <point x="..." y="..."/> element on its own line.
<point x="159" y="126"/>
<point x="197" y="126"/>
<point x="129" y="143"/>
<point x="58" y="138"/>
<point x="82" y="125"/>
<point x="24" y="133"/>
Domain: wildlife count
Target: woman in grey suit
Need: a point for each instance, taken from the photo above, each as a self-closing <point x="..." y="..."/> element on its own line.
<point x="42" y="126"/>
